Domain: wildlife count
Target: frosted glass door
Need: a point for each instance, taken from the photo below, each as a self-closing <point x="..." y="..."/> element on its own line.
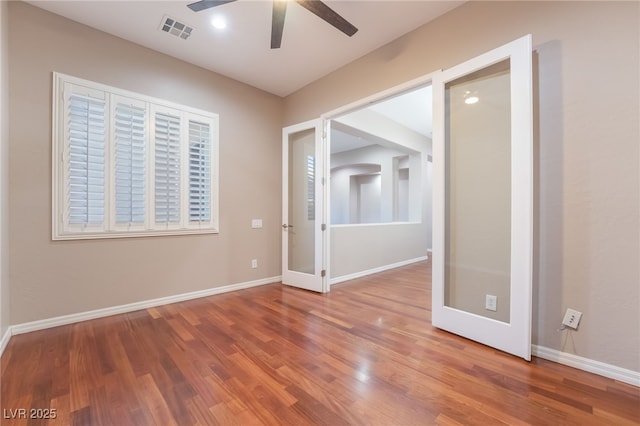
<point x="483" y="198"/>
<point x="302" y="207"/>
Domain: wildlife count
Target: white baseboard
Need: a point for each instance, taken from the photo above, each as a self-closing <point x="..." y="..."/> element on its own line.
<point x="361" y="274"/>
<point x="607" y="370"/>
<point x="136" y="306"/>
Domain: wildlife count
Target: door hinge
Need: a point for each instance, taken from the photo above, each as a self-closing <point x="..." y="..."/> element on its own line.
<point x="323" y="273"/>
<point x="323" y="227"/>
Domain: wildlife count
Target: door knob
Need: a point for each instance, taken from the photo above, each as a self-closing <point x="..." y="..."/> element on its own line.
<point x="285" y="226"/>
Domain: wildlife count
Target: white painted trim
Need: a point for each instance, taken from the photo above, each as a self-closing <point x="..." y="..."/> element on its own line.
<point x="399" y="89"/>
<point x="361" y="274"/>
<point x="607" y="370"/>
<point x="136" y="306"/>
<point x="5" y="340"/>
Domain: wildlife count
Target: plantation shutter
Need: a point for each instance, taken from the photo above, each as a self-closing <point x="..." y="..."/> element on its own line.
<point x="126" y="164"/>
<point x="85" y="149"/>
<point x="167" y="168"/>
<point x="199" y="171"/>
<point x="130" y="162"/>
<point x="311" y="187"/>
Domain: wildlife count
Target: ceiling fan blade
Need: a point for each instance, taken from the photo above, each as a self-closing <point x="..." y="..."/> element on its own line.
<point x="277" y="22"/>
<point x="206" y="4"/>
<point x="324" y="12"/>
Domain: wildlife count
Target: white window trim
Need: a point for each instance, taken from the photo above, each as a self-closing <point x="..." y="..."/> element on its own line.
<point x="61" y="230"/>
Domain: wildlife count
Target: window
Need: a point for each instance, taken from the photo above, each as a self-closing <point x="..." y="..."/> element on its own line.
<point x="126" y="164"/>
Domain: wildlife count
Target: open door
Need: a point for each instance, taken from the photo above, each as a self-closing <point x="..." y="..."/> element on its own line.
<point x="303" y="225"/>
<point x="482" y="198"/>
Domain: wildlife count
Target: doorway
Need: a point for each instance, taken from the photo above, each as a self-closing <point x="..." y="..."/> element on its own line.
<point x="379" y="190"/>
<point x="507" y="73"/>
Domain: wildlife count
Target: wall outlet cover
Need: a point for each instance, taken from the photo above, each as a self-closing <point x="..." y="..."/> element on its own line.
<point x="491" y="303"/>
<point x="572" y="318"/>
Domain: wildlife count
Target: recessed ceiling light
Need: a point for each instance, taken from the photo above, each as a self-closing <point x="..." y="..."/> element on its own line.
<point x="219" y="22"/>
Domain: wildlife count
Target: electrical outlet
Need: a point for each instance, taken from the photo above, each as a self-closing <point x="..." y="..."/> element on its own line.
<point x="572" y="318"/>
<point x="254" y="263"/>
<point x="491" y="303"/>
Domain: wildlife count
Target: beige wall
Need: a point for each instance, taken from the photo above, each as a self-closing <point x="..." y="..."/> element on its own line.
<point x="360" y="248"/>
<point x="4" y="169"/>
<point x="586" y="69"/>
<point x="49" y="278"/>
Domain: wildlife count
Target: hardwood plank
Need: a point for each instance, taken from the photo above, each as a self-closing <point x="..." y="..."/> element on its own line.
<point x="154" y="401"/>
<point x="364" y="354"/>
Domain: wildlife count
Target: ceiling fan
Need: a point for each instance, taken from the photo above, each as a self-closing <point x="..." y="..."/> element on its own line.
<point x="316" y="7"/>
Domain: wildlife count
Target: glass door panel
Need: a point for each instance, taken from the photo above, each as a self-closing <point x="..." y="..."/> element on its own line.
<point x="478" y="192"/>
<point x="302" y="220"/>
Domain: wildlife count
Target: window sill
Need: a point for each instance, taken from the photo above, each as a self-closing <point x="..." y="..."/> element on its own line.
<point x="115" y="234"/>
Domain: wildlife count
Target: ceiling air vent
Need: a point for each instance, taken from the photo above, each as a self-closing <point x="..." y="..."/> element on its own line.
<point x="178" y="29"/>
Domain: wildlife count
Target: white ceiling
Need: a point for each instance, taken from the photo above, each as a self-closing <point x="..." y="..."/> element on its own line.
<point x="311" y="48"/>
<point x="412" y="109"/>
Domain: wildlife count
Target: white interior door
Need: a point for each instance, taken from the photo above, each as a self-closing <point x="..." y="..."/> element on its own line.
<point x="482" y="198"/>
<point x="303" y="248"/>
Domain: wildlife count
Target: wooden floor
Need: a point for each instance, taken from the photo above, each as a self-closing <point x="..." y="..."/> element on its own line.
<point x="365" y="354"/>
